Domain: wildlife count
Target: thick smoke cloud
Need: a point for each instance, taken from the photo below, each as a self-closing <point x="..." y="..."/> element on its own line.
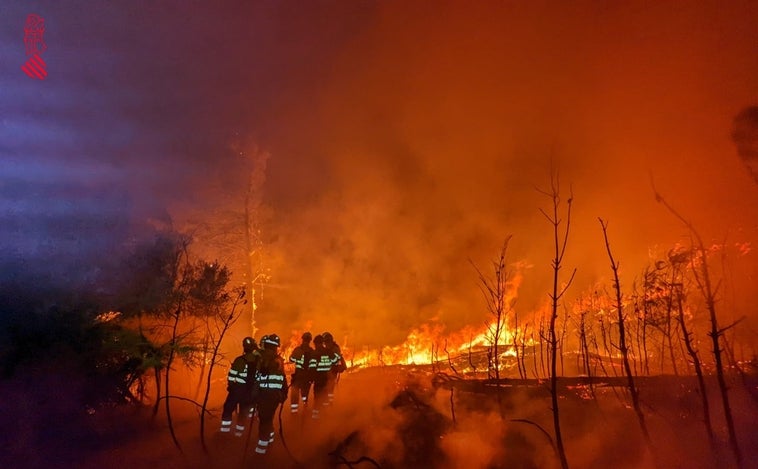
<point x="405" y="140"/>
<point x="438" y="127"/>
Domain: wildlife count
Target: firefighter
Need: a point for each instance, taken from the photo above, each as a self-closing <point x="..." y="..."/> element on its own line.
<point x="240" y="381"/>
<point x="320" y="365"/>
<point x="338" y="366"/>
<point x="272" y="390"/>
<point x="301" y="378"/>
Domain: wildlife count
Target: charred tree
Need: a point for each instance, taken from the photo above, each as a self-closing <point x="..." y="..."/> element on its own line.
<point x="235" y="235"/>
<point x="604" y="334"/>
<point x="702" y="277"/>
<point x="560" y="242"/>
<point x="584" y="349"/>
<point x="622" y="337"/>
<point x="494" y="291"/>
<point x="218" y="325"/>
<point x="521" y="371"/>
<point x="687" y="337"/>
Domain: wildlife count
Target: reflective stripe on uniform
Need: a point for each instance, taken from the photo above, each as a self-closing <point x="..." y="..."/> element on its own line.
<point x="271" y="381"/>
<point x="299" y="362"/>
<point x="324" y="363"/>
<point x="262" y="447"/>
<point x="237" y="376"/>
<point x="226" y="426"/>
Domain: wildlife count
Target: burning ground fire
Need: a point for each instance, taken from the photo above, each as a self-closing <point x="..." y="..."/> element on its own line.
<point x="471" y="348"/>
<point x="429" y="345"/>
<point x="588" y="330"/>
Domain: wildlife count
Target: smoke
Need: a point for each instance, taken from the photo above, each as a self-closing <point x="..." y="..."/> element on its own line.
<point x="745" y="136"/>
<point x="404" y="141"/>
<point x="427" y="142"/>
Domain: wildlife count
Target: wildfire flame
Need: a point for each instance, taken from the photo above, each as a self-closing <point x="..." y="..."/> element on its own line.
<point x="428" y="344"/>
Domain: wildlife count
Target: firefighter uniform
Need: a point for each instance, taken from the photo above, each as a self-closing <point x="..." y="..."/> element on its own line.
<point x="240" y="381"/>
<point x="272" y="390"/>
<point x="320" y="365"/>
<point x="301" y="378"/>
<point x="338" y="366"/>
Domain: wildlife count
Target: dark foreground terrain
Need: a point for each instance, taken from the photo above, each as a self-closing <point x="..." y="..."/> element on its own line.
<point x="390" y="417"/>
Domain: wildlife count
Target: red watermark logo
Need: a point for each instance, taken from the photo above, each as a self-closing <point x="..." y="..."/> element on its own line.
<point x="34" y="40"/>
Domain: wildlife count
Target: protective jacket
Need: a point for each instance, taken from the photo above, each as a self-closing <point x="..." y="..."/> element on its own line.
<point x="321" y="363"/>
<point x="270" y="373"/>
<point x="272" y="389"/>
<point x="242" y="371"/>
<point x="335" y="355"/>
<point x="301" y="357"/>
<point x="302" y="377"/>
<point x="240" y="384"/>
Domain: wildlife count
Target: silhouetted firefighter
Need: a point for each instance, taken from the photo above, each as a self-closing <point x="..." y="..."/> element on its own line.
<point x="272" y="390"/>
<point x="240" y="381"/>
<point x="338" y="365"/>
<point x="320" y="366"/>
<point x="301" y="378"/>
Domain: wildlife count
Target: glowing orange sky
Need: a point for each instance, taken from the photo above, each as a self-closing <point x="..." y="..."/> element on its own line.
<point x="415" y="138"/>
<point x="435" y="125"/>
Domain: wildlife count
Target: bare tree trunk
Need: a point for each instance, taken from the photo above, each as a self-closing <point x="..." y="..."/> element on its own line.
<point x="450" y="362"/>
<point x="226" y="324"/>
<point x="645" y="317"/>
<point x="638" y="336"/>
<point x="156" y="405"/>
<point x="494" y="291"/>
<point x="470" y="361"/>
<point x="534" y="358"/>
<point x="169" y="361"/>
<point x="249" y="260"/>
<point x="686" y="335"/>
<point x="253" y="201"/>
<point x="543" y="339"/>
<point x="622" y="339"/>
<point x="560" y="241"/>
<point x="585" y="350"/>
<point x="562" y="342"/>
<point x="515" y="345"/>
<point x="203" y="365"/>
<point x="669" y="308"/>
<point x="604" y="334"/>
<point x="703" y="280"/>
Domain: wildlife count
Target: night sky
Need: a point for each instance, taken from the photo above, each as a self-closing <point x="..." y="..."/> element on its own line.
<point x="406" y="138"/>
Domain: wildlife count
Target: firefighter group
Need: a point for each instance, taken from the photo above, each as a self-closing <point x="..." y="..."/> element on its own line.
<point x="257" y="383"/>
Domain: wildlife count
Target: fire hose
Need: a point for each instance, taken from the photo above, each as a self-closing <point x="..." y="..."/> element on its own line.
<point x="281" y="433"/>
<point x="253" y="412"/>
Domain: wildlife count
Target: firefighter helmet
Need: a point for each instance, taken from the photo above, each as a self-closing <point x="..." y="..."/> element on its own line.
<point x="307" y="337"/>
<point x="328" y="337"/>
<point x="271" y="339"/>
<point x="248" y="344"/>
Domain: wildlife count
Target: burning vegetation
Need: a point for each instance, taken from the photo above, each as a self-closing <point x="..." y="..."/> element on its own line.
<point x="379" y="172"/>
<point x="652" y="356"/>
